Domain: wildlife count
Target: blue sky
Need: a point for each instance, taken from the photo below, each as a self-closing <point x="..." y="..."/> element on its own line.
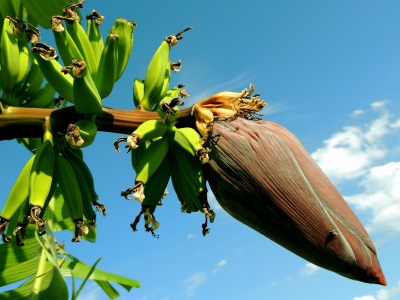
<point x="330" y="72"/>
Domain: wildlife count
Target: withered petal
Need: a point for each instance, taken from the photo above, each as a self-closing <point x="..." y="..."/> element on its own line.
<point x="263" y="177"/>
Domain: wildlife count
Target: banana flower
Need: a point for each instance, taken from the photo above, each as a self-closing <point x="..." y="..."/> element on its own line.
<point x="261" y="175"/>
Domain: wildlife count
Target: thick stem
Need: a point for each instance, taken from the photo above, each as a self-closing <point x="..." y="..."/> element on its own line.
<point x="20" y="122"/>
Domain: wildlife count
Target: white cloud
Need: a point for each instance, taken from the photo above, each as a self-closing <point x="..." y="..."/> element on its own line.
<point x="380" y="197"/>
<point x="390" y="293"/>
<point x="193" y="283"/>
<point x="357" y="113"/>
<point x="220" y="264"/>
<point x="349" y="153"/>
<point x="309" y="269"/>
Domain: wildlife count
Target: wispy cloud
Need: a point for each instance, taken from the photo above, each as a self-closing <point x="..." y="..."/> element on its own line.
<point x="350" y="153"/>
<point x="390" y="293"/>
<point x="309" y="269"/>
<point x="222" y="263"/>
<point x="193" y="283"/>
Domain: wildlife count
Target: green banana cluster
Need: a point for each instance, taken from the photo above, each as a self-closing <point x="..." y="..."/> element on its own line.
<point x="54" y="165"/>
<point x="20" y="77"/>
<point x="150" y="91"/>
<point x="159" y="152"/>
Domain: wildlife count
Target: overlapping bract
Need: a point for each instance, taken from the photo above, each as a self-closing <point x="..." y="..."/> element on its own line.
<point x="262" y="175"/>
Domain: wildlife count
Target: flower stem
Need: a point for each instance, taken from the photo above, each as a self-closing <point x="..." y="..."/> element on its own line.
<point x="20" y="122"/>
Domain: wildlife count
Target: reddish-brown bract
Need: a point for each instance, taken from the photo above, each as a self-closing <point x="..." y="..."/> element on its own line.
<point x="261" y="174"/>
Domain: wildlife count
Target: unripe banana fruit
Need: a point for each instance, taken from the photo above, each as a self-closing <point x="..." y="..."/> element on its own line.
<point x="82" y="133"/>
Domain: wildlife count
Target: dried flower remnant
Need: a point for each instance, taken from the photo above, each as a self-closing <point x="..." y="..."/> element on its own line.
<point x="261" y="175"/>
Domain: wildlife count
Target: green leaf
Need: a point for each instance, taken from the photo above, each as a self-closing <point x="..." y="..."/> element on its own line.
<point x="92" y="269"/>
<point x="52" y="287"/>
<point x="19" y="271"/>
<point x="11" y="254"/>
<point x="81" y="269"/>
<point x="108" y="289"/>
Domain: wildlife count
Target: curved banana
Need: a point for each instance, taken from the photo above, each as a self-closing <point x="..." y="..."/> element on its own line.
<point x="148" y="165"/>
<point x="18" y="194"/>
<point x="66" y="45"/>
<point x="87" y="99"/>
<point x="9" y="60"/>
<point x="188" y="140"/>
<point x="43" y="98"/>
<point x="188" y="167"/>
<point x="82" y="133"/>
<point x="32" y="83"/>
<point x="124" y="29"/>
<point x="94" y="20"/>
<point x="52" y="71"/>
<point x="155" y="187"/>
<point x="146" y="131"/>
<point x="138" y="91"/>
<point x="154" y="78"/>
<point x="88" y="211"/>
<point x="137" y="154"/>
<point x="72" y="155"/>
<point x="24" y="58"/>
<point x="107" y="70"/>
<point x="167" y="108"/>
<point x="81" y="39"/>
<point x="69" y="186"/>
<point x="41" y="179"/>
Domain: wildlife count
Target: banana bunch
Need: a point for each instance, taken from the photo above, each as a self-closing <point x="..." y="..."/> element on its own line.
<point x="20" y="78"/>
<point x="160" y="151"/>
<point x="149" y="92"/>
<point x="54" y="164"/>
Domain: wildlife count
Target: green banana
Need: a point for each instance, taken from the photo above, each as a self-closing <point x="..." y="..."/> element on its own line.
<point x="24" y="57"/>
<point x="87" y="174"/>
<point x="154" y="78"/>
<point x="41" y="179"/>
<point x="124" y="29"/>
<point x="87" y="99"/>
<point x="52" y="70"/>
<point x="82" y="133"/>
<point x="148" y="165"/>
<point x="32" y="83"/>
<point x="137" y="154"/>
<point x="107" y="71"/>
<point x="94" y="20"/>
<point x="188" y="174"/>
<point x="188" y="140"/>
<point x="146" y="131"/>
<point x="167" y="108"/>
<point x="23" y="220"/>
<point x="18" y="194"/>
<point x="66" y="45"/>
<point x="79" y="36"/>
<point x="156" y="185"/>
<point x="157" y="72"/>
<point x="43" y="98"/>
<point x="9" y="60"/>
<point x="71" y="192"/>
<point x="138" y="91"/>
<point x="87" y="206"/>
